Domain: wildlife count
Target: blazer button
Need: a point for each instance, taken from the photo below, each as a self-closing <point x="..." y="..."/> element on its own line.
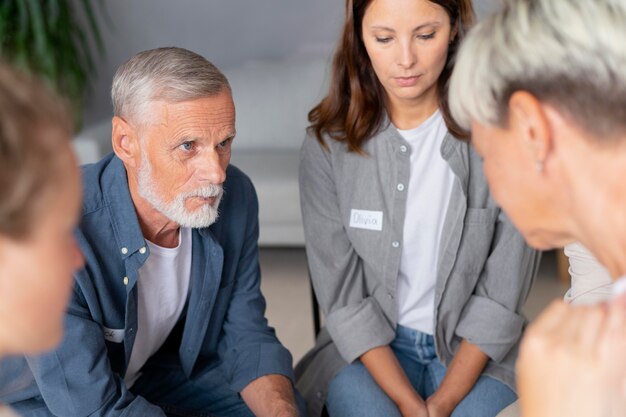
<point x="125" y="280"/>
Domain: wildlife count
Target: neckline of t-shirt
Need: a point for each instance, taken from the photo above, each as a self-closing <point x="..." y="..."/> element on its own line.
<point x="183" y="234"/>
<point x="426" y="125"/>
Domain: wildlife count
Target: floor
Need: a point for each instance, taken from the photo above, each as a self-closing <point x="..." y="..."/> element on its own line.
<point x="286" y="288"/>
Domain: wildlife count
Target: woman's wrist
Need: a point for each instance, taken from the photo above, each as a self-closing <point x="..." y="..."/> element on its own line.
<point x="442" y="402"/>
<point x="411" y="405"/>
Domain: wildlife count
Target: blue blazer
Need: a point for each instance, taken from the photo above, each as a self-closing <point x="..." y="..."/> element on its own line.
<point x="224" y="323"/>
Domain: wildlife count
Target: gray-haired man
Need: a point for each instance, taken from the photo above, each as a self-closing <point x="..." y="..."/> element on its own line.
<point x="167" y="316"/>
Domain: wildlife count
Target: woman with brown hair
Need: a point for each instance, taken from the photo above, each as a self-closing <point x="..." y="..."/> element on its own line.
<point x="420" y="276"/>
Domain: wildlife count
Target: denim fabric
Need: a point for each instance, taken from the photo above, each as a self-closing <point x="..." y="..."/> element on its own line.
<point x="207" y="394"/>
<point x="224" y="322"/>
<point x="353" y="392"/>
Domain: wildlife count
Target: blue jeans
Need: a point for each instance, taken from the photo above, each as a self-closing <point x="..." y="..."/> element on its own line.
<point x="207" y="395"/>
<point x="353" y="392"/>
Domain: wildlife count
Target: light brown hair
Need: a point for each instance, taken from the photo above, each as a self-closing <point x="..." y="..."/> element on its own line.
<point x="34" y="142"/>
<point x="354" y="109"/>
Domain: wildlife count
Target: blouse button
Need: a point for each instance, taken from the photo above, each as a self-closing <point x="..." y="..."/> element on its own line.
<point x="403" y="148"/>
<point x="395" y="244"/>
<point x="400" y="187"/>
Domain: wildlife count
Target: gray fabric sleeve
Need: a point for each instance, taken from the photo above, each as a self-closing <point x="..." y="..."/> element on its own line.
<point x="500" y="293"/>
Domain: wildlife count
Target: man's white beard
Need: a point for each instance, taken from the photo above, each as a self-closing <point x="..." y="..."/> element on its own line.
<point x="175" y="210"/>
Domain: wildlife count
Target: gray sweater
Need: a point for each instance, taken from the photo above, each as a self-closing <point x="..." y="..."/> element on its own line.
<point x="485" y="269"/>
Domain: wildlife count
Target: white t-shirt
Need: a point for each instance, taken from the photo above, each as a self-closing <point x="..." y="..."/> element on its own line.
<point x="429" y="191"/>
<point x="162" y="288"/>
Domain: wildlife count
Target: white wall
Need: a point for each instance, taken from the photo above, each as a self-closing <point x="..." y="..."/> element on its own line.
<point x="227" y="32"/>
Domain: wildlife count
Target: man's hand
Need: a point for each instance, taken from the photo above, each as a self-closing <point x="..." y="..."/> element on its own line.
<point x="571" y="364"/>
<point x="270" y="396"/>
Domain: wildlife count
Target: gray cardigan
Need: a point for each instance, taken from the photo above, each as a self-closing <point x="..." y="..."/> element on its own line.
<point x="485" y="269"/>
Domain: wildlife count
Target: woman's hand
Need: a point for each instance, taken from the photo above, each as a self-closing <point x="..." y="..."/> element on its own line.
<point x="571" y="362"/>
<point x="461" y="375"/>
<point x="416" y="408"/>
<point x="438" y="408"/>
<point x="384" y="367"/>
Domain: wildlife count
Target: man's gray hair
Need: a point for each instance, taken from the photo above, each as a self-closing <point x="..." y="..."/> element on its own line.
<point x="170" y="74"/>
<point x="570" y="54"/>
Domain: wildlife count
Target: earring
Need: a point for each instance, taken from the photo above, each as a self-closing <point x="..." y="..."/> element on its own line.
<point x="539" y="166"/>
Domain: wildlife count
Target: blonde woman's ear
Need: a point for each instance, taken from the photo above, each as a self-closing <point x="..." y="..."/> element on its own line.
<point x="527" y="117"/>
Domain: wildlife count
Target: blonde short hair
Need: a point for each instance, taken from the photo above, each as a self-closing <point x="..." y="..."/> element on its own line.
<point x="569" y="53"/>
<point x="35" y="129"/>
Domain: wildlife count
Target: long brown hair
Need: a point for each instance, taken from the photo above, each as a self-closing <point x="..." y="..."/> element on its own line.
<point x="354" y="109"/>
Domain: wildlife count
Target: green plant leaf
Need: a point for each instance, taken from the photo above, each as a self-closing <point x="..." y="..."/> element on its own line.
<point x="47" y="38"/>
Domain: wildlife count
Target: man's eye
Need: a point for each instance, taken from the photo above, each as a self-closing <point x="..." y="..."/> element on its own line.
<point x="224" y="144"/>
<point x="186" y="146"/>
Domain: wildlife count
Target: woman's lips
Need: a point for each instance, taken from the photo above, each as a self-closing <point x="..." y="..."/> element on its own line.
<point x="407" y="81"/>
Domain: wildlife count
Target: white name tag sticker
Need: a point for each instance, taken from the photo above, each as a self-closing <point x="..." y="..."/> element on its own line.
<point x="366" y="219"/>
<point x="113" y="335"/>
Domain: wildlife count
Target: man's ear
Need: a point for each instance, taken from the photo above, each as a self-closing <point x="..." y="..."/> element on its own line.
<point x="124" y="139"/>
<point x="527" y="116"/>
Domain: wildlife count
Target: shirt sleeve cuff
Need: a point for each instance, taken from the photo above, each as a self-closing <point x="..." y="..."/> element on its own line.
<point x="494" y="338"/>
<point x="357" y="328"/>
<point x="256" y="361"/>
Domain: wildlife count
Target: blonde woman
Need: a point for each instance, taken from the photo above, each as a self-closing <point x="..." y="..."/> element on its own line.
<point x="543" y="87"/>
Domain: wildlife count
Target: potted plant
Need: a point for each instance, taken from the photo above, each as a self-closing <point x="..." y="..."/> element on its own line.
<point x="53" y="39"/>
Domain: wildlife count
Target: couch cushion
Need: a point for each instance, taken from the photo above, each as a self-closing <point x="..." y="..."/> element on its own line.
<point x="273" y="99"/>
<point x="275" y="177"/>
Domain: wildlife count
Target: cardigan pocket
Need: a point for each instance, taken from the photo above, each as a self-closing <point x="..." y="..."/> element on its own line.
<point x="476" y="240"/>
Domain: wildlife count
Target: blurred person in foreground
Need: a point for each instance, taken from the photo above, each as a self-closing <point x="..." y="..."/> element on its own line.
<point x="39" y="209"/>
<point x="542" y="86"/>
